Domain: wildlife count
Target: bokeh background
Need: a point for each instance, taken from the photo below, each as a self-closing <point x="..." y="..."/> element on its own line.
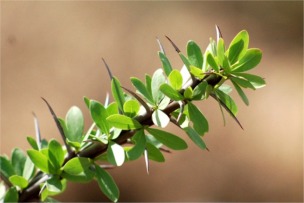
<point x="53" y="49"/>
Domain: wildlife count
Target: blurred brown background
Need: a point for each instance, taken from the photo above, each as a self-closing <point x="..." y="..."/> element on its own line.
<point x="54" y="50"/>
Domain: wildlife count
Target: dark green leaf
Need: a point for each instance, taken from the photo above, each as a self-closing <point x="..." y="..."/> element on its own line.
<point x="74" y="124"/>
<point x="140" y="143"/>
<point x="107" y="184"/>
<point x="242" y="82"/>
<point x="168" y="139"/>
<point x="165" y="62"/>
<point x="32" y="142"/>
<point x="238" y="46"/>
<point x="185" y="60"/>
<point x="194" y="53"/>
<point x="11" y="195"/>
<point x="255" y="80"/>
<point x="199" y="91"/>
<point x="78" y="169"/>
<point x="250" y="60"/>
<point x="154" y="153"/>
<point x="211" y="61"/>
<point x="18" y="181"/>
<point x="115" y="153"/>
<point x="200" y="123"/>
<point x="240" y="92"/>
<point x="118" y="93"/>
<point x="18" y="160"/>
<point x="6" y="167"/>
<point x="195" y="137"/>
<point x="54" y="185"/>
<point x="227" y="100"/>
<point x="86" y="101"/>
<point x="56" y="154"/>
<point x="170" y="92"/>
<point x="142" y="89"/>
<point x="123" y="122"/>
<point x="99" y="115"/>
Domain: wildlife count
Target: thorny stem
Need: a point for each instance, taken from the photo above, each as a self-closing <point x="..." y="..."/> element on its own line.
<point x="32" y="192"/>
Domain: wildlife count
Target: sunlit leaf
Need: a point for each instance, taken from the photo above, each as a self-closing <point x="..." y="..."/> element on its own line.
<point x="99" y="115"/>
<point x="211" y="61"/>
<point x="29" y="169"/>
<point x="255" y="80"/>
<point x="238" y="46"/>
<point x="131" y="107"/>
<point x="158" y="79"/>
<point x="175" y="79"/>
<point x="168" y="139"/>
<point x="116" y="154"/>
<point x="56" y="154"/>
<point x="41" y="161"/>
<point x="194" y="53"/>
<point x="242" y="82"/>
<point x="160" y="119"/>
<point x="78" y="169"/>
<point x="32" y="142"/>
<point x="221" y="51"/>
<point x="250" y="60"/>
<point x="74" y="124"/>
<point x="106" y="183"/>
<point x="188" y="93"/>
<point x="19" y="181"/>
<point x="196" y="72"/>
<point x="170" y="92"/>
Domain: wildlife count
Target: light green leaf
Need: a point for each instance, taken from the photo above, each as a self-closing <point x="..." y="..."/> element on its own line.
<point x="164" y="103"/>
<point x="188" y="93"/>
<point x="255" y="80"/>
<point x="117" y="93"/>
<point x="41" y="161"/>
<point x="11" y="195"/>
<point x="238" y="46"/>
<point x="140" y="143"/>
<point x="250" y="60"/>
<point x="123" y="122"/>
<point x="115" y="153"/>
<point x="74" y="124"/>
<point x="194" y="53"/>
<point x="160" y="119"/>
<point x="195" y="137"/>
<point x="32" y="142"/>
<point x="196" y="72"/>
<point x="18" y="161"/>
<point x="158" y="79"/>
<point x="165" y="62"/>
<point x="175" y="79"/>
<point x="131" y="108"/>
<point x="154" y="153"/>
<point x="99" y="115"/>
<point x="19" y="181"/>
<point x="106" y="184"/>
<point x="221" y="51"/>
<point x="112" y="108"/>
<point x="168" y="139"/>
<point x="240" y="92"/>
<point x="56" y="154"/>
<point x="170" y="92"/>
<point x="78" y="169"/>
<point x="29" y="169"/>
<point x="142" y="89"/>
<point x="200" y="123"/>
<point x="211" y="61"/>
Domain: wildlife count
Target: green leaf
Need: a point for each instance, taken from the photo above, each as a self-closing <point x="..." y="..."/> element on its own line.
<point x="188" y="93"/>
<point x="238" y="46"/>
<point x="29" y="169"/>
<point x="221" y="51"/>
<point x="78" y="169"/>
<point x="165" y="62"/>
<point x="19" y="181"/>
<point x="195" y="137"/>
<point x="154" y="153"/>
<point x="211" y="61"/>
<point x="158" y="79"/>
<point x="227" y="100"/>
<point x="131" y="108"/>
<point x="170" y="92"/>
<point x="123" y="122"/>
<point x="142" y="89"/>
<point x="54" y="185"/>
<point x="11" y="195"/>
<point x="196" y="72"/>
<point x="250" y="60"/>
<point x="240" y="92"/>
<point x="199" y="91"/>
<point x="168" y="139"/>
<point x="112" y="109"/>
<point x="194" y="53"/>
<point x="185" y="61"/>
<point x="32" y="142"/>
<point x="74" y="124"/>
<point x="175" y="79"/>
<point x="18" y="161"/>
<point x="160" y="119"/>
<point x="6" y="167"/>
<point x="41" y="161"/>
<point x="242" y="82"/>
<point x="255" y="80"/>
<point x="118" y="93"/>
<point x="140" y="143"/>
<point x="116" y="154"/>
<point x="106" y="184"/>
<point x="99" y="115"/>
<point x="86" y="101"/>
<point x="56" y="154"/>
<point x="200" y="123"/>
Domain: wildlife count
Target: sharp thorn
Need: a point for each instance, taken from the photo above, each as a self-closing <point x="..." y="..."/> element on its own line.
<point x="175" y="47"/>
